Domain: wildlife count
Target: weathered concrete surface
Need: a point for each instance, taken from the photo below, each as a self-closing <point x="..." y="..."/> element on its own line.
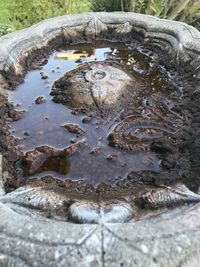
<point x="28" y="242"/>
<point x="1" y="177"/>
<point x="171" y="239"/>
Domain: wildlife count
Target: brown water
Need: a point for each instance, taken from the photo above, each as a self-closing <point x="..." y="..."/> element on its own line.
<point x="42" y="124"/>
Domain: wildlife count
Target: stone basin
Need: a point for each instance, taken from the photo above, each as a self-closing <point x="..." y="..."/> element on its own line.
<point x="150" y="218"/>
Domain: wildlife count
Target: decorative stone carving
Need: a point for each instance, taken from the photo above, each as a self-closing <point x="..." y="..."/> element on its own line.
<point x="124" y="28"/>
<point x="95" y="26"/>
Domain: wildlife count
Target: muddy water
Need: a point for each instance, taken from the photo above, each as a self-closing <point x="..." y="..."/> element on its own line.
<point x="42" y="124"/>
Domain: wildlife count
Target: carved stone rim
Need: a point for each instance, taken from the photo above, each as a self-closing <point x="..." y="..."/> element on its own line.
<point x="185" y="40"/>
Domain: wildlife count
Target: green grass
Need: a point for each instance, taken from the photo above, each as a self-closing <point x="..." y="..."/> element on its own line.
<point x="18" y="14"/>
<point x="182" y="10"/>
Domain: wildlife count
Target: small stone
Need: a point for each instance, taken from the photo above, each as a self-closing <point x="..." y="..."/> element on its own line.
<point x="44" y="75"/>
<point x="95" y="151"/>
<point x="112" y="157"/>
<point x="40" y="100"/>
<point x="26" y="134"/>
<point x="73" y="140"/>
<point x="15" y="115"/>
<point x="86" y="119"/>
<point x="73" y="128"/>
<point x="74" y="112"/>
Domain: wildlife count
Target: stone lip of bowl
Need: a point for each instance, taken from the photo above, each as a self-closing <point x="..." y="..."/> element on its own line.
<point x="170" y="239"/>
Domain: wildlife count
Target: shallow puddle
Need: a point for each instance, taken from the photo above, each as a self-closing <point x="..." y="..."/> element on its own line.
<point x="116" y="135"/>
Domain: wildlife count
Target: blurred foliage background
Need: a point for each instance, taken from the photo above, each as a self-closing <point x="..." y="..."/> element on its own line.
<point x="18" y="14"/>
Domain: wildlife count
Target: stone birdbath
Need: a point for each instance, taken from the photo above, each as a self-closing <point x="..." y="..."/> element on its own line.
<point x="99" y="123"/>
